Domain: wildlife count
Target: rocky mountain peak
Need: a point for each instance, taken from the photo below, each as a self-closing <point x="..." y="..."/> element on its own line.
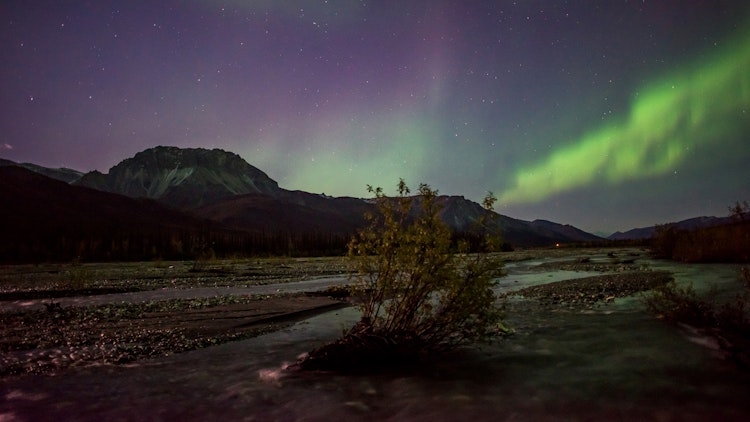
<point x="164" y="157"/>
<point x="183" y="177"/>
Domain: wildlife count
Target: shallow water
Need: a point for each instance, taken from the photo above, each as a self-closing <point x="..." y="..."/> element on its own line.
<point x="516" y="280"/>
<point x="612" y="363"/>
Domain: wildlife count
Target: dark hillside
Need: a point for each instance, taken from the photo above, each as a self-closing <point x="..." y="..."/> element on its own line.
<point x="43" y="219"/>
<point x="63" y="174"/>
<point x="689" y="224"/>
<point x="297" y="212"/>
<point x="724" y="243"/>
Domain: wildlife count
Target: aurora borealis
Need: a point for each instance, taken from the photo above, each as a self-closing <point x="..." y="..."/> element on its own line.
<point x="705" y="104"/>
<point x="604" y="115"/>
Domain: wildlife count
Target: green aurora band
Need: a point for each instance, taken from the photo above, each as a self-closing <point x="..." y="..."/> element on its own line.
<point x="703" y="106"/>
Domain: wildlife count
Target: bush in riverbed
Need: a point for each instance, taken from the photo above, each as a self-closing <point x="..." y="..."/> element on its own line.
<point x="683" y="305"/>
<point x="680" y="304"/>
<point x="416" y="296"/>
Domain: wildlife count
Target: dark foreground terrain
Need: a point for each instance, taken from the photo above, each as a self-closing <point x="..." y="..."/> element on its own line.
<point x="40" y="332"/>
<point x="50" y="341"/>
<point x="583" y="345"/>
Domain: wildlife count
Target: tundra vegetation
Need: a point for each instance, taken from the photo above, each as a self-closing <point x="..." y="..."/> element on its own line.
<point x="418" y="294"/>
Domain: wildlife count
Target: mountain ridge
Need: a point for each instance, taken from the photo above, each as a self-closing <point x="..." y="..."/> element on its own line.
<point x="648" y="232"/>
<point x="63" y="174"/>
<point x="46" y="219"/>
<point x="221" y="186"/>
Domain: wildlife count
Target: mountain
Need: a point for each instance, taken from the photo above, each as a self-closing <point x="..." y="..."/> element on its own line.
<point x="309" y="213"/>
<point x="182" y="177"/>
<point x="47" y="219"/>
<point x="63" y="174"/>
<point x="290" y="211"/>
<point x="634" y="234"/>
<point x="220" y="186"/>
<point x="461" y="215"/>
<point x="563" y="233"/>
<point x="689" y="224"/>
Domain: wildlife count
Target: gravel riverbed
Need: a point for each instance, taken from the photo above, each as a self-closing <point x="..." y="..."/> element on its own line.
<point x="59" y="336"/>
<point x="589" y="291"/>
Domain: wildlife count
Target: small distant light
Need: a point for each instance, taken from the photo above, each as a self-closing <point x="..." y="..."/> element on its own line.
<point x="557" y="245"/>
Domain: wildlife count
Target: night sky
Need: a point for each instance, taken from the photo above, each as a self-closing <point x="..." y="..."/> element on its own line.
<point x="607" y="115"/>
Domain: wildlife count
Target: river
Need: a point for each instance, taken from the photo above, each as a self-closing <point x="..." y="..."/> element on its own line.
<point x="615" y="362"/>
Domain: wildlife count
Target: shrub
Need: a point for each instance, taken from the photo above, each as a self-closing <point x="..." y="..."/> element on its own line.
<point x="739" y="211"/>
<point x="682" y="305"/>
<point x="416" y="295"/>
<point x="77" y="277"/>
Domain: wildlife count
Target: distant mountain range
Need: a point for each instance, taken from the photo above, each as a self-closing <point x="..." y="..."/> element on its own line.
<point x="63" y="174"/>
<point x="186" y="190"/>
<point x="192" y="187"/>
<point x="43" y="219"/>
<point x="689" y="224"/>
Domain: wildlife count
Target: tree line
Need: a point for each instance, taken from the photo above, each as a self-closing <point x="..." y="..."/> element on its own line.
<point x="167" y="243"/>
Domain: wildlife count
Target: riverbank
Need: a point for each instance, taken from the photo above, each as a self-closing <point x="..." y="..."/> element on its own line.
<point x="52" y="318"/>
<point x="53" y="340"/>
<point x="612" y="361"/>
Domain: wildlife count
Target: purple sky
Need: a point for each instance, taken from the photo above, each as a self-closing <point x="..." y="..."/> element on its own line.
<point x="606" y="115"/>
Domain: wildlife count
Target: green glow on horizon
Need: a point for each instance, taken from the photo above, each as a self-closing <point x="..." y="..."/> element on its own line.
<point x="401" y="150"/>
<point x="344" y="157"/>
<point x="667" y="120"/>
